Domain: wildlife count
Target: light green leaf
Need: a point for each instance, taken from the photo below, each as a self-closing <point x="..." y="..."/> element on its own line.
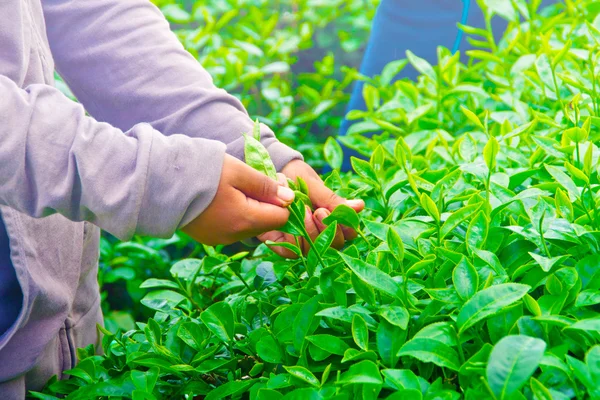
<point x="465" y="279"/>
<point x="512" y="361"/>
<point x="489" y="301"/>
<point x="334" y="154"/>
<point x="360" y="332"/>
<point x="428" y="350"/>
<point x="372" y="276"/>
<point x="303" y="374"/>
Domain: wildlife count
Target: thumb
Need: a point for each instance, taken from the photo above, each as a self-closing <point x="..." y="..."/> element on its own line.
<point x="323" y="197"/>
<point x="260" y="187"/>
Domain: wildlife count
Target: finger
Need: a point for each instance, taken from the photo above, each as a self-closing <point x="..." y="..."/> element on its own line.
<point x="283" y="180"/>
<point x="323" y="197"/>
<point x="311" y="229"/>
<point x="349" y="233"/>
<point x="263" y="217"/>
<point x="279" y="237"/>
<point x="258" y="186"/>
<point x="338" y="239"/>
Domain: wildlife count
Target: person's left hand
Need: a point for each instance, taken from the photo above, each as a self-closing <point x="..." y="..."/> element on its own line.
<point x="324" y="201"/>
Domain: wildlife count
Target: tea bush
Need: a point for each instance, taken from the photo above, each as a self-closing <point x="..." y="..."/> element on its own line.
<point x="475" y="273"/>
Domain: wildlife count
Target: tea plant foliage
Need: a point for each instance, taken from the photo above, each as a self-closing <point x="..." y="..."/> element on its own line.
<point x="475" y="271"/>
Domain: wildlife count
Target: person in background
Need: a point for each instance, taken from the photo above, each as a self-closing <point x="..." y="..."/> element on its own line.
<point x="163" y="151"/>
<point x="419" y="26"/>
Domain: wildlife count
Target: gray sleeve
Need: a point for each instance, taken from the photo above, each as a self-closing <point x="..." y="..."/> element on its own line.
<point x="55" y="159"/>
<point x="124" y="64"/>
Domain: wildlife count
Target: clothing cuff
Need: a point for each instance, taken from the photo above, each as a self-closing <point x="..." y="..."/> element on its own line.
<point x="182" y="180"/>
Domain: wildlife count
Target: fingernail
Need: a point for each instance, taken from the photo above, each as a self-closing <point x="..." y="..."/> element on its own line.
<point x="321" y="213"/>
<point x="285" y="194"/>
<point x="355" y="203"/>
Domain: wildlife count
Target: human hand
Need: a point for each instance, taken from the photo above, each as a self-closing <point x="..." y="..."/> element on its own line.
<point x="247" y="204"/>
<point x="323" y="199"/>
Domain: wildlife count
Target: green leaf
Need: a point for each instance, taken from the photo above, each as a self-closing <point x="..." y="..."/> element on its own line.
<point x="334" y="154"/>
<point x="576" y="134"/>
<point x="440" y="331"/>
<point x="365" y="372"/>
<point x="564" y="180"/>
<point x="389" y="339"/>
<point x="395" y="245"/>
<point x="421" y="65"/>
<point x="325" y="238"/>
<point x="430" y="207"/>
<point x="329" y="343"/>
<point x="154" y="283"/>
<point x="401" y="379"/>
<point x="303" y="323"/>
<point x="303" y="374"/>
<point x="512" y="361"/>
<point x="548" y="263"/>
<point x="465" y="279"/>
<point x="456" y="219"/>
<point x="407" y="394"/>
<point x="472" y="117"/>
<point x="432" y="351"/>
<point x="256" y="130"/>
<point x="395" y="315"/>
<point x="390" y="71"/>
<point x="563" y="205"/>
<point x="230" y="388"/>
<point x="257" y="157"/>
<point x="162" y="300"/>
<point x="219" y="319"/>
<point x="588" y="297"/>
<point x="360" y="332"/>
<point x="489" y="301"/>
<point x="363" y="169"/>
<point x="371" y="97"/>
<point x="343" y="215"/>
<point x="478" y="231"/>
<point x="576" y="172"/>
<point x="192" y="334"/>
<point x="372" y="276"/>
<point x="490" y="151"/>
<point x="269" y="350"/>
<point x="540" y="392"/>
<point x="588" y="324"/>
<point x="293" y="248"/>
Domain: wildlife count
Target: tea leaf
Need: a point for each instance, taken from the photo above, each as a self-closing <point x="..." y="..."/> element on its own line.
<point x="472" y="117"/>
<point x="303" y="374"/>
<point x="489" y="301"/>
<point x="219" y="319"/>
<point x="257" y="157"/>
<point x="343" y="215"/>
<point x="465" y="279"/>
<point x="431" y="351"/>
<point x="360" y="333"/>
<point x="333" y="153"/>
<point x="490" y="151"/>
<point x="512" y="361"/>
<point x="372" y="276"/>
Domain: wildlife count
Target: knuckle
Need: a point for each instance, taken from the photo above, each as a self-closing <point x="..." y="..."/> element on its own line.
<point x="266" y="189"/>
<point x="333" y="199"/>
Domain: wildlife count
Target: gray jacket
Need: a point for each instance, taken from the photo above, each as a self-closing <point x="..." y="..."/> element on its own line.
<point x="149" y="167"/>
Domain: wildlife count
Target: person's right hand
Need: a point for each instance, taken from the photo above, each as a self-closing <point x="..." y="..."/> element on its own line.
<point x="247" y="203"/>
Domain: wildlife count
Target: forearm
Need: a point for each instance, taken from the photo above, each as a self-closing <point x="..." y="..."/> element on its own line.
<point x="125" y="66"/>
<point x="55" y="159"/>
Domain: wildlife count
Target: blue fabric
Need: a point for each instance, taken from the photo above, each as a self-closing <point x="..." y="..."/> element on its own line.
<point x="420" y="26"/>
<point x="11" y="297"/>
